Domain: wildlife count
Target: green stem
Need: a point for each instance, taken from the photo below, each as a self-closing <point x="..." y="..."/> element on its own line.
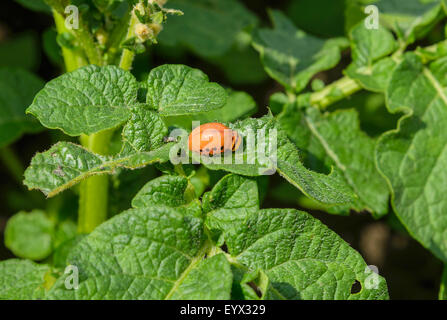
<point x="127" y="56"/>
<point x="12" y="163"/>
<point x="346" y="86"/>
<point x="75" y="58"/>
<point x="334" y="92"/>
<point x="126" y="59"/>
<point x="72" y="59"/>
<point x="91" y="49"/>
<point x="93" y="194"/>
<point x="93" y="191"/>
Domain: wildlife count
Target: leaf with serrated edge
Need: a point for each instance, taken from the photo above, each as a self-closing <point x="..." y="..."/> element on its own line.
<point x="147" y="253"/>
<point x="179" y="90"/>
<point x="329" y="189"/>
<point x="87" y="100"/>
<point x="66" y="164"/>
<point x="164" y="190"/>
<point x="170" y="191"/>
<point x="302" y="258"/>
<point x="336" y="139"/>
<point x="292" y="57"/>
<point x="145" y="130"/>
<point x="211" y="279"/>
<point x="413" y="157"/>
<point x="230" y="201"/>
<point x="369" y="46"/>
<point x="411" y="21"/>
<point x="238" y="106"/>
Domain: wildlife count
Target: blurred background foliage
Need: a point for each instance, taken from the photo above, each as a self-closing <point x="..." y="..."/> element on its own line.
<point x="224" y="53"/>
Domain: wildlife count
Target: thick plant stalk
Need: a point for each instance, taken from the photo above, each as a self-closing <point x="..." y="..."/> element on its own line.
<point x="93" y="197"/>
<point x="127" y="56"/>
<point x="93" y="194"/>
<point x="72" y="59"/>
<point x="93" y="191"/>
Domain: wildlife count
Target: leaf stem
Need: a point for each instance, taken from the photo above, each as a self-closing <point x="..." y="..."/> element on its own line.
<point x="334" y="92"/>
<point x="127" y="56"/>
<point x="344" y="87"/>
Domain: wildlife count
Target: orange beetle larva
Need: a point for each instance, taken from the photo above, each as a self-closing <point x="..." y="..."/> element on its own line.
<point x="213" y="138"/>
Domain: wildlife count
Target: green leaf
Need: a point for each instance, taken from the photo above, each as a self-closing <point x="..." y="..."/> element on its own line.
<point x="17" y="89"/>
<point x="145" y="130"/>
<point x="66" y="164"/>
<point x="413" y="20"/>
<point x="369" y="46"/>
<point x="142" y="159"/>
<point x="375" y="78"/>
<point x="23" y="280"/>
<point x="179" y="90"/>
<point x="292" y="57"/>
<point x="239" y="105"/>
<point x="21" y="51"/>
<point x="62" y="166"/>
<point x="261" y="159"/>
<point x="230" y="201"/>
<point x="232" y="192"/>
<point x="87" y="100"/>
<point x="336" y="139"/>
<point x="147" y="253"/>
<point x="302" y="258"/>
<point x="255" y="285"/>
<point x="210" y="280"/>
<point x="164" y="190"/>
<point x="212" y="26"/>
<point x="413" y="157"/>
<point x="65" y="230"/>
<point x="61" y="253"/>
<point x="170" y="191"/>
<point x="125" y="184"/>
<point x="30" y="235"/>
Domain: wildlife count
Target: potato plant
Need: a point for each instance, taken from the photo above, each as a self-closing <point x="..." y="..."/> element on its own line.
<point x="148" y="227"/>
